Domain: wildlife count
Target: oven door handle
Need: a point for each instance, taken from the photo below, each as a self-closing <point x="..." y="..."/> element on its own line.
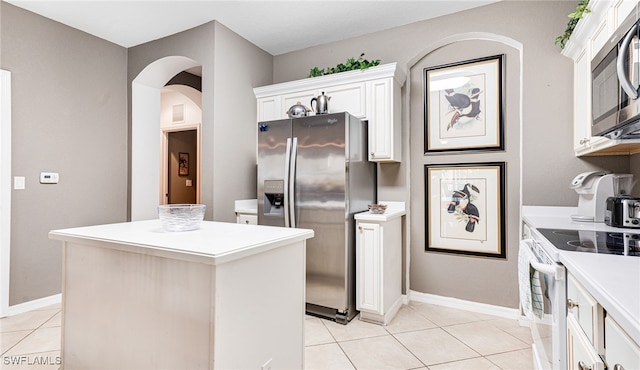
<point x="554" y="270"/>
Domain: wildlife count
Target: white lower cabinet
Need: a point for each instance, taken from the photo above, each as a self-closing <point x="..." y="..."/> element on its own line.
<point x="246" y="211"/>
<point x="594" y="339"/>
<point x="378" y="267"/>
<point x="621" y="353"/>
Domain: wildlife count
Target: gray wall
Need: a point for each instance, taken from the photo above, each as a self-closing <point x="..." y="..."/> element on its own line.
<point x="548" y="163"/>
<point x="69" y="116"/>
<point x="231" y="67"/>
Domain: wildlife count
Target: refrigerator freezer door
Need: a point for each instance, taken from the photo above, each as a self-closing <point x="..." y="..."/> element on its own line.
<point x="272" y="171"/>
<point x="320" y="196"/>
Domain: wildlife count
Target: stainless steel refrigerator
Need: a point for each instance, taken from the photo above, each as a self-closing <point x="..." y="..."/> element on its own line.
<point x="313" y="173"/>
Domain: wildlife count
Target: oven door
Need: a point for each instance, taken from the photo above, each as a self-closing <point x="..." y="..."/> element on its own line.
<point x="550" y="333"/>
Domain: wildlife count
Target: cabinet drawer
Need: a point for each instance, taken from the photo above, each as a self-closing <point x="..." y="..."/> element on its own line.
<point x="587" y="312"/>
<point x="247" y="219"/>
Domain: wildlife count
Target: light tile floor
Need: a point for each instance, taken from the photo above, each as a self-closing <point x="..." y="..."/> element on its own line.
<point x="421" y="336"/>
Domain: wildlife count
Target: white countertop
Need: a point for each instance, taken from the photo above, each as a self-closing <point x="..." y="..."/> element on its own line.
<point x="213" y="243"/>
<point x="614" y="281"/>
<point x="394" y="210"/>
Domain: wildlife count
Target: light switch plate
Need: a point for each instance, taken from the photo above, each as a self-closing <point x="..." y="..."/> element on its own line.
<point x="49" y="177"/>
<point x="18" y="183"/>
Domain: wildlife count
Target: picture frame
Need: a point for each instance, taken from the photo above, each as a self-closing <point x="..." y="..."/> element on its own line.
<point x="465" y="209"/>
<point x="183" y="164"/>
<point x="463" y="106"/>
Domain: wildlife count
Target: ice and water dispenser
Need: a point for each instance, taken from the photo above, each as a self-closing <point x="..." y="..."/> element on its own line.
<point x="274" y="197"/>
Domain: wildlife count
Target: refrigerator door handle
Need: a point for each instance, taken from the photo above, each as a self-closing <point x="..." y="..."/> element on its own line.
<point x="292" y="183"/>
<point x="287" y="180"/>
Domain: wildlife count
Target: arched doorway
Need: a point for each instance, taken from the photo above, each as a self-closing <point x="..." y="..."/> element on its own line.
<point x="181" y="117"/>
<point x="146" y="187"/>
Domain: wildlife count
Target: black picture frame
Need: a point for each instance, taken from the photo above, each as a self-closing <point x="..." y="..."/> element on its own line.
<point x="183" y="164"/>
<point x="464" y="106"/>
<point x="451" y="224"/>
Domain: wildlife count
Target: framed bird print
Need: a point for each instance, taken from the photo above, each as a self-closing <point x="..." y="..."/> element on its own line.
<point x="464" y="208"/>
<point x="463" y="107"/>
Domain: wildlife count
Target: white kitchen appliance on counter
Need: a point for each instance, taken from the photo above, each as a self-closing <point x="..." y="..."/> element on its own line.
<point x="593" y="189"/>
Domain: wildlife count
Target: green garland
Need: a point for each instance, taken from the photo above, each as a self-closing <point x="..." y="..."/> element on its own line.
<point x="350" y="65"/>
<point x="574" y="17"/>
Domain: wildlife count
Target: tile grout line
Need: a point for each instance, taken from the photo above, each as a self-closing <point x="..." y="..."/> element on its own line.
<point x="32" y="331"/>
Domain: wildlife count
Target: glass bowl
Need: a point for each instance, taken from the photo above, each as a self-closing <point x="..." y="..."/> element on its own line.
<point x="181" y="217"/>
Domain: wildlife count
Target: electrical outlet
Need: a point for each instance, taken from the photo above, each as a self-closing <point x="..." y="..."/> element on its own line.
<point x="267" y="365"/>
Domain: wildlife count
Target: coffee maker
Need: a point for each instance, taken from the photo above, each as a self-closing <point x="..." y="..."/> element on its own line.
<point x="593" y="189"/>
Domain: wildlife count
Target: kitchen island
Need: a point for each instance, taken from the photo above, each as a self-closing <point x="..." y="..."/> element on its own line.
<point x="226" y="296"/>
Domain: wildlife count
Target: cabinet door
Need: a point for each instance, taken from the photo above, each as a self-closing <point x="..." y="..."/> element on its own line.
<point x="621" y="10"/>
<point x="368" y="268"/>
<point x="583" y="143"/>
<point x="621" y="350"/>
<point x="269" y="109"/>
<point x="347" y="98"/>
<point x="381" y="115"/>
<point x="587" y="312"/>
<point x="580" y="354"/>
<point x="298" y="97"/>
<point x="582" y="101"/>
<point x="600" y="36"/>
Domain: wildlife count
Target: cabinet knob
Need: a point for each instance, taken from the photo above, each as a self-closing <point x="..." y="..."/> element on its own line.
<point x="618" y="367"/>
<point x="246" y="222"/>
<point x="583" y="366"/>
<point x="584" y="140"/>
<point x="571" y="304"/>
<point x="373" y="155"/>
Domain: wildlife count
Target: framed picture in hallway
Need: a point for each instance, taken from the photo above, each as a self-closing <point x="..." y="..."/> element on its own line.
<point x="465" y="208"/>
<point x="463" y="106"/>
<point x="183" y="164"/>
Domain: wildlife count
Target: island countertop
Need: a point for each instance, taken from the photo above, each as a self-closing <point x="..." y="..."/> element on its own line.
<point x="213" y="243"/>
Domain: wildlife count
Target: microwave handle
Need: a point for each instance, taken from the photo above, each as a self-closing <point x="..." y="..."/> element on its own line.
<point x="622" y="75"/>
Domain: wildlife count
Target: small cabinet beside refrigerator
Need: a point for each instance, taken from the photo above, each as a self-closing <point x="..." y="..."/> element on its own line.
<point x="379" y="264"/>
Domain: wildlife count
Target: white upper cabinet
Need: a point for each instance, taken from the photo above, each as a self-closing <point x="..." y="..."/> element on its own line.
<point x="372" y="94"/>
<point x="590" y="35"/>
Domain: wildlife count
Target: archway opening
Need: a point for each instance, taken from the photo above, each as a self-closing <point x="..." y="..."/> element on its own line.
<point x="146" y="186"/>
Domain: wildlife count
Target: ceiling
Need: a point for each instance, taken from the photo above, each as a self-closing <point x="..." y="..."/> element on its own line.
<point x="277" y="27"/>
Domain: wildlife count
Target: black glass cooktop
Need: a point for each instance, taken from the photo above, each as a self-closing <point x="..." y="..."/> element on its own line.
<point x="604" y="242"/>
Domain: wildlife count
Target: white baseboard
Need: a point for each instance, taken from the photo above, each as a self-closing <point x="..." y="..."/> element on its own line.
<point x="509" y="313"/>
<point x="36" y="304"/>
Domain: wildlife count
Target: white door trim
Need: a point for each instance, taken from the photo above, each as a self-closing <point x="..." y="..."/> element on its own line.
<point x="5" y="189"/>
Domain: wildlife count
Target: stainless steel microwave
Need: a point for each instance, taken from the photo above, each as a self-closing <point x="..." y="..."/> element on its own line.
<point x="615" y="83"/>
